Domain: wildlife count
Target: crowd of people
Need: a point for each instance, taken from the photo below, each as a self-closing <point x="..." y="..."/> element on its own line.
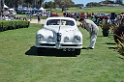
<point x="97" y="18"/>
<point x="91" y="21"/>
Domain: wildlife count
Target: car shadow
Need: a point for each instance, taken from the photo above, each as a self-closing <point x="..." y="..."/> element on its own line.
<point x="84" y="47"/>
<point x="33" y="52"/>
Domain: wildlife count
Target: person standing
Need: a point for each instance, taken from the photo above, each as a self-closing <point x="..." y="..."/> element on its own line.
<point x="92" y="28"/>
<point x="38" y="17"/>
<point x="113" y="17"/>
<point x="30" y="16"/>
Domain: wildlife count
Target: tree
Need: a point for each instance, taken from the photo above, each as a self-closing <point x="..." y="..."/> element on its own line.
<point x="119" y="2"/>
<point x="35" y="3"/>
<point x="49" y="4"/>
<point x="13" y="3"/>
<point x="32" y="3"/>
<point x="64" y="3"/>
<point x="40" y="2"/>
<point x="1" y="7"/>
<point x="107" y="2"/>
<point x="16" y="4"/>
<point x="79" y="5"/>
<point x="93" y="4"/>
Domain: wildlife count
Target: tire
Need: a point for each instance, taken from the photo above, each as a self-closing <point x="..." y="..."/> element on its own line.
<point x="77" y="52"/>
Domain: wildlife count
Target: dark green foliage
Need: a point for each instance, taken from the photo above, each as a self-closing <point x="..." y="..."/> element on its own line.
<point x="118" y="34"/>
<point x="13" y="24"/>
<point x="104" y="25"/>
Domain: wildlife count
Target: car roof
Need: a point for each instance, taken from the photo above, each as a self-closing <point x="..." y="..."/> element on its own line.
<point x="68" y="18"/>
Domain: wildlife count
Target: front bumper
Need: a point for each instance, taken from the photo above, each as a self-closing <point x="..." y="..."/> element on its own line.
<point x="59" y="46"/>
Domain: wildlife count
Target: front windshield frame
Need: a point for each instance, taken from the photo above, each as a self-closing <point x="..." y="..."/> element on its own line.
<point x="60" y="22"/>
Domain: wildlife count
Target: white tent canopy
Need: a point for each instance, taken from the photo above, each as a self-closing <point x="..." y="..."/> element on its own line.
<point x="5" y="6"/>
<point x="41" y="8"/>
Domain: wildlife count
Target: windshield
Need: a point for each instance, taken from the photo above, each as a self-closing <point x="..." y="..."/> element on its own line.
<point x="60" y="22"/>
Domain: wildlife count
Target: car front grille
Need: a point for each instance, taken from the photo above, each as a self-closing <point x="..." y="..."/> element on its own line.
<point x="61" y="45"/>
<point x="47" y="44"/>
<point x="69" y="45"/>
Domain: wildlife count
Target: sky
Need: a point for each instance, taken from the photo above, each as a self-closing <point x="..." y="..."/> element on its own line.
<point x="83" y="1"/>
<point x="86" y="1"/>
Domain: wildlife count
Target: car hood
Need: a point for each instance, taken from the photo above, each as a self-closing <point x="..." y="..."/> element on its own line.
<point x="60" y="29"/>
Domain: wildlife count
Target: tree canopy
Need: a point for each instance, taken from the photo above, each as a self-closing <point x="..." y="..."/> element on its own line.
<point x="63" y="3"/>
<point x="56" y="3"/>
<point x="31" y="3"/>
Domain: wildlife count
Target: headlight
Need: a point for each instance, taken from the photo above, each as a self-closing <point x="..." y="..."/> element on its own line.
<point x="66" y="39"/>
<point x="77" y="38"/>
<point x="40" y="37"/>
<point x="50" y="38"/>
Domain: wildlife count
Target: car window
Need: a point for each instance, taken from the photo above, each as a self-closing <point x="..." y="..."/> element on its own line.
<point x="60" y="22"/>
<point x="53" y="22"/>
<point x="70" y="22"/>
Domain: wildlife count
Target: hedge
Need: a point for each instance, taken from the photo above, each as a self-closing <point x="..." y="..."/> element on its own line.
<point x="13" y="24"/>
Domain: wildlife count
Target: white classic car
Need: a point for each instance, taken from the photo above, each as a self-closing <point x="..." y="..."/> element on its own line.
<point x="59" y="33"/>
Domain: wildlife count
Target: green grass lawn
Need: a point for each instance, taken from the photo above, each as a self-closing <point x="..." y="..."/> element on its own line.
<point x="19" y="61"/>
<point x="117" y="10"/>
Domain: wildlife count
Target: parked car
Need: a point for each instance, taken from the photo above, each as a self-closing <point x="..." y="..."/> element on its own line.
<point x="54" y="15"/>
<point x="59" y="33"/>
<point x="105" y="16"/>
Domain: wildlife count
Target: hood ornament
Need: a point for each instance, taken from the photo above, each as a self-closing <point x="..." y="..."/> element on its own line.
<point x="58" y="39"/>
<point x="58" y="35"/>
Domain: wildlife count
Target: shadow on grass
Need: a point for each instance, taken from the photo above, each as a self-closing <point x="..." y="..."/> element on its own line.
<point x="113" y="44"/>
<point x="116" y="49"/>
<point x="112" y="47"/>
<point x="121" y="58"/>
<point x="84" y="47"/>
<point x="110" y="43"/>
<point x="33" y="52"/>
